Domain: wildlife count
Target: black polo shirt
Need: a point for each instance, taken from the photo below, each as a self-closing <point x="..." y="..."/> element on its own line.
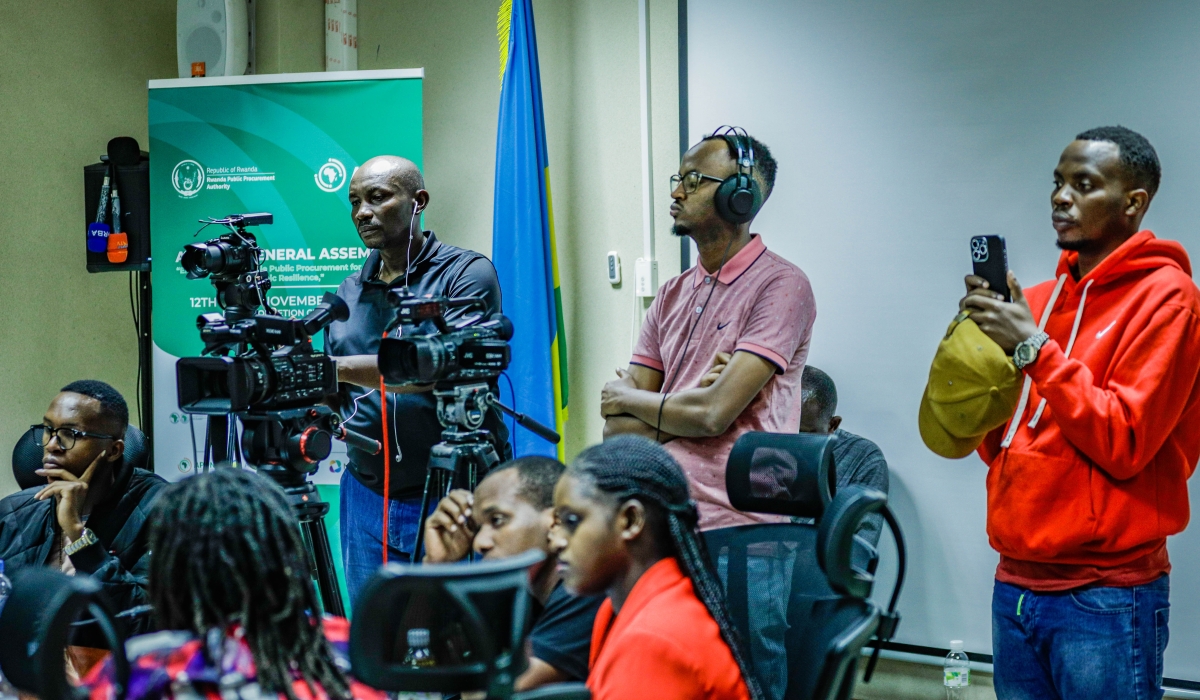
<point x="562" y="631"/>
<point x="438" y="270"/>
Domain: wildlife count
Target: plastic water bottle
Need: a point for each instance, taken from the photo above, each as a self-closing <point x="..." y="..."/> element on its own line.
<point x="6" y="689"/>
<point x="419" y="656"/>
<point x="957" y="671"/>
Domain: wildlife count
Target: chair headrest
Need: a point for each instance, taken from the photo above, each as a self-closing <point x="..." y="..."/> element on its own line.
<point x="835" y="539"/>
<point x="782" y="473"/>
<point x="477" y="616"/>
<point x="27" y="456"/>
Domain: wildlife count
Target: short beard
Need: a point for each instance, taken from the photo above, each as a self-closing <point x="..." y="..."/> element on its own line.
<point x="681" y="230"/>
<point x="1079" y="246"/>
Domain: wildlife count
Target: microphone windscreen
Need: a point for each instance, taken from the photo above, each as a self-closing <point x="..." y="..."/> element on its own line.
<point x="97" y="238"/>
<point x="123" y="151"/>
<point x="118" y="247"/>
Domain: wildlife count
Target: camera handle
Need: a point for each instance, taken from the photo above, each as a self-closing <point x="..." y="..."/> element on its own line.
<point x="543" y="431"/>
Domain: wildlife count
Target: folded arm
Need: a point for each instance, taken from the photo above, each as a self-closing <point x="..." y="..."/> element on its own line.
<point x="646" y="379"/>
<point x="704" y="411"/>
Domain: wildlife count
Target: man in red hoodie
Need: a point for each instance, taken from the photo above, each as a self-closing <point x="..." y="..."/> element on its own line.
<point x="1089" y="477"/>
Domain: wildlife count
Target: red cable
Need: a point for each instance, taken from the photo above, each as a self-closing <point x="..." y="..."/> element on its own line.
<point x="387" y="467"/>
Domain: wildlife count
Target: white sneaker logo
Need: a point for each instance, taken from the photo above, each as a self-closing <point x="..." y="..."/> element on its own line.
<point x="1107" y="329"/>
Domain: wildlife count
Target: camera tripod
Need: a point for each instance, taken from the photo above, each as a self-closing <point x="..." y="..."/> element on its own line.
<point x="466" y="450"/>
<point x="287" y="446"/>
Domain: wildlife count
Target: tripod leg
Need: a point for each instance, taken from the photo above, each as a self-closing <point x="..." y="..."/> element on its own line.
<point x="420" y="541"/>
<point x="218" y="437"/>
<point x="322" y="565"/>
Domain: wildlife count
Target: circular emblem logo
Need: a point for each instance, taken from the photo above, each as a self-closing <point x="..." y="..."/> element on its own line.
<point x="188" y="178"/>
<point x="331" y="176"/>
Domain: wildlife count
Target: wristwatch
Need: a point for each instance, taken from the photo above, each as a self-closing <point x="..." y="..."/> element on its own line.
<point x="87" y="538"/>
<point x="1027" y="350"/>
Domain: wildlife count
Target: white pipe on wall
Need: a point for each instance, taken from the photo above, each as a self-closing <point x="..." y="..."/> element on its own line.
<point x="646" y="270"/>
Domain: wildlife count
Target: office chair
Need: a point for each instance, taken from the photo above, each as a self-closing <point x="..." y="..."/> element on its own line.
<point x="38" y="623"/>
<point x="27" y="456"/>
<point x="478" y="616"/>
<point x="820" y="567"/>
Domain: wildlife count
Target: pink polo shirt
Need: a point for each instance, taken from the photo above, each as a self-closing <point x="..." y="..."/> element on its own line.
<point x="762" y="304"/>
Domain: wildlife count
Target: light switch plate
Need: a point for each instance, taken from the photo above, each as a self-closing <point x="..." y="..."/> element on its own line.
<point x="614" y="268"/>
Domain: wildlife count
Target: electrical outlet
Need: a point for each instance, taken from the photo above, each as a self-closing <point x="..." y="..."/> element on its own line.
<point x="645" y="283"/>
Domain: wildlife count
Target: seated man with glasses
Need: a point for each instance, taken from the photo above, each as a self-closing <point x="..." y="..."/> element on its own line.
<point x="91" y="514"/>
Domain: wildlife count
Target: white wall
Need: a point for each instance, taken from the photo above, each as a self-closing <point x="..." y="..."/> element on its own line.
<point x="901" y="130"/>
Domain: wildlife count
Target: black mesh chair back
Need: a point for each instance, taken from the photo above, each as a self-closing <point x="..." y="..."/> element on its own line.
<point x="27" y="456"/>
<point x="825" y="629"/>
<point x="38" y="623"/>
<point x="477" y="614"/>
<point x="815" y="567"/>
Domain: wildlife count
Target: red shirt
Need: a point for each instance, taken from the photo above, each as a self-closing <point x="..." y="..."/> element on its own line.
<point x="762" y="304"/>
<point x="664" y="644"/>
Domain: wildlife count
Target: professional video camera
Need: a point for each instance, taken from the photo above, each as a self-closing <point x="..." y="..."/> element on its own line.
<point x="262" y="370"/>
<point x="261" y="378"/>
<point x="460" y="361"/>
<point x="430" y="351"/>
<point x="232" y="261"/>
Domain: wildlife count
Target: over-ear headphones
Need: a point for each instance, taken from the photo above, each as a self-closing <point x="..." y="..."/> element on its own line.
<point x="738" y="197"/>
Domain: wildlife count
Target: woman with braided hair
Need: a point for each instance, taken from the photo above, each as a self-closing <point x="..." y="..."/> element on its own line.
<point x="625" y="525"/>
<point x="229" y="577"/>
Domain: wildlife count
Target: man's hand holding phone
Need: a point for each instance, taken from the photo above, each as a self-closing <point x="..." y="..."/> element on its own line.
<point x="1007" y="323"/>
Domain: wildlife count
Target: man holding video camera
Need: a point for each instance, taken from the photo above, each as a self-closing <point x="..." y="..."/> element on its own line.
<point x="1089" y="477"/>
<point x="387" y="196"/>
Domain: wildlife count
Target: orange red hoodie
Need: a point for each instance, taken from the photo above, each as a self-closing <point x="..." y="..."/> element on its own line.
<point x="1090" y="475"/>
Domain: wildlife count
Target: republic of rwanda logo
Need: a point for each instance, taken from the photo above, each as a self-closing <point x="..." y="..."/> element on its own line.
<point x="188" y="178"/>
<point x="331" y="176"/>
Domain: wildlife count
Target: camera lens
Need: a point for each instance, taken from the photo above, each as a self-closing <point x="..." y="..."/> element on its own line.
<point x="216" y="257"/>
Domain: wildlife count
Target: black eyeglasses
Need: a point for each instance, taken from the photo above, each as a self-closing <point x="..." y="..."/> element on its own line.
<point x="66" y="436"/>
<point x="691" y="181"/>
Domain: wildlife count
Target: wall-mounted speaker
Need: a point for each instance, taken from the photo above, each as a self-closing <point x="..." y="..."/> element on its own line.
<point x="215" y="33"/>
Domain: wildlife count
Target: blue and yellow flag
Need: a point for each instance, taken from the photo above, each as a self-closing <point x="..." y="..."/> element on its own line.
<point x="523" y="235"/>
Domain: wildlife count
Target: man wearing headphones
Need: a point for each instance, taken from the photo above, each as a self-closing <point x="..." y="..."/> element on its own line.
<point x="740" y="299"/>
<point x="387" y="196"/>
<point x="743" y="300"/>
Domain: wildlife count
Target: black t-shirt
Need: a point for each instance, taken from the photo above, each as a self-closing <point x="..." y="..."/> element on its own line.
<point x="438" y="270"/>
<point x="562" y="631"/>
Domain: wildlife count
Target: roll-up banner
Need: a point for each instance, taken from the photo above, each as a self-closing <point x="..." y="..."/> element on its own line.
<point x="285" y="144"/>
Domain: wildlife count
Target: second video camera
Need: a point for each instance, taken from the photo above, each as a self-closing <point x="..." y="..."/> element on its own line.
<point x="266" y="378"/>
<point x="430" y="351"/>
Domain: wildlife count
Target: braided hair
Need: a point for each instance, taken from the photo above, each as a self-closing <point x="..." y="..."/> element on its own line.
<point x="227" y="551"/>
<point x="631" y="466"/>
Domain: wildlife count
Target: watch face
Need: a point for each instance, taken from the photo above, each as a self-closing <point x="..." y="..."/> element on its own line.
<point x="1023" y="355"/>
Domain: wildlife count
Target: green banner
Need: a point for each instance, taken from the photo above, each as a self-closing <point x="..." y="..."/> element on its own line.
<point x="284" y="144"/>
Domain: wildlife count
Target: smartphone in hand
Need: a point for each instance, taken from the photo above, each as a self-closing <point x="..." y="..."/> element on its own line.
<point x="989" y="258"/>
